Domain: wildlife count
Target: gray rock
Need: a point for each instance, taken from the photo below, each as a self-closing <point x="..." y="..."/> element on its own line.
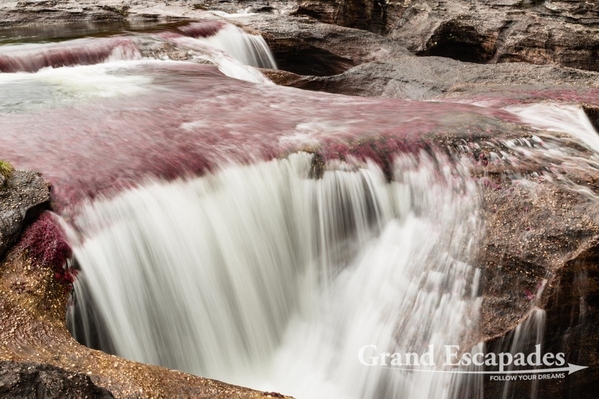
<point x="43" y="381"/>
<point x="425" y="78"/>
<point x="534" y="31"/>
<point x="22" y="198"/>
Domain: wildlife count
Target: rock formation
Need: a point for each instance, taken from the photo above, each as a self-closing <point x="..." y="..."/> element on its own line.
<point x="482" y="31"/>
<point x="22" y="198"/>
<point x="31" y="380"/>
<point x="503" y="52"/>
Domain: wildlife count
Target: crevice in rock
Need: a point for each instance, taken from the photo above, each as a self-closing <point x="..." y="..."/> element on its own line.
<point x="592" y="113"/>
<point x="460" y="42"/>
<point x="501" y="38"/>
<point x="368" y="15"/>
<point x="319" y="12"/>
<point x="302" y="58"/>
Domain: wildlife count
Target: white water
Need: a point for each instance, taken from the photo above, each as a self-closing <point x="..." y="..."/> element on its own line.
<point x="249" y="49"/>
<point x="235" y="53"/>
<point x="226" y="63"/>
<point x="33" y="57"/>
<point x="98" y="80"/>
<point x="523" y="339"/>
<point x="261" y="276"/>
<point x="561" y="118"/>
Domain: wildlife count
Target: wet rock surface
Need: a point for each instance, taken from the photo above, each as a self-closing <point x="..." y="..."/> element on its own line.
<point x="31" y="380"/>
<point x="481" y="52"/>
<point x="298" y="42"/>
<point x="441" y="78"/>
<point x="540" y="252"/>
<point x="330" y="58"/>
<point x="571" y="327"/>
<point x="521" y="253"/>
<point x="22" y="198"/>
<point x="318" y="42"/>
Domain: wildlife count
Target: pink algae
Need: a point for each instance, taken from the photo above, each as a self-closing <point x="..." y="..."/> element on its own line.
<point x="75" y="52"/>
<point x="190" y="119"/>
<point x="202" y="28"/>
<point x="46" y="245"/>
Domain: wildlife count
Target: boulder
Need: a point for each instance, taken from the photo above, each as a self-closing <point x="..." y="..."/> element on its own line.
<point x="427" y="78"/>
<point x="533" y="31"/>
<point x="36" y="381"/>
<point x="305" y="46"/>
<point x="324" y="57"/>
<point x="540" y="251"/>
<point x="23" y="197"/>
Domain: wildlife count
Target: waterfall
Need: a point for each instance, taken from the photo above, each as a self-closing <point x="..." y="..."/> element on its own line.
<point x="260" y="275"/>
<point x="232" y="50"/>
<point x="249" y="49"/>
<point x="561" y="118"/>
<point x="523" y="339"/>
<point x="33" y="57"/>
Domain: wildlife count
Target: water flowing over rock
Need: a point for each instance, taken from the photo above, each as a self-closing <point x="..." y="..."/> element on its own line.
<point x="33" y="301"/>
<point x="302" y="264"/>
<point x="211" y="42"/>
<point x="354" y="62"/>
<point x="264" y="235"/>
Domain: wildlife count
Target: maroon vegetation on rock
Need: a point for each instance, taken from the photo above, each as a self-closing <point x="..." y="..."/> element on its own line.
<point x="45" y="243"/>
<point x="202" y="29"/>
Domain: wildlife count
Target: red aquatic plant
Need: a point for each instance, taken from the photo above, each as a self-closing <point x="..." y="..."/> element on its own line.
<point x="203" y="28"/>
<point x="45" y="244"/>
<point x="380" y="150"/>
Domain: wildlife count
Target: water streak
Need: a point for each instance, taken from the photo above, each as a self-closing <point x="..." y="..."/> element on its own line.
<point x="234" y="51"/>
<point x="569" y="119"/>
<point x="249" y="49"/>
<point x="261" y="276"/>
<point x="33" y="57"/>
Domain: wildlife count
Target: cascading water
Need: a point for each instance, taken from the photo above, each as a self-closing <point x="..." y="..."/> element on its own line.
<point x="560" y="118"/>
<point x="262" y="276"/>
<point x="523" y="339"/>
<point x="33" y="57"/>
<point x="249" y="49"/>
<point x="231" y="49"/>
<point x="281" y="272"/>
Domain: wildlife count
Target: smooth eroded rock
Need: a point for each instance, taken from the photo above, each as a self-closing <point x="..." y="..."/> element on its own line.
<point x="43" y="381"/>
<point x="22" y="198"/>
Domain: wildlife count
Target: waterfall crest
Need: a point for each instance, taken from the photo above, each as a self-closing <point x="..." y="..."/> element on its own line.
<point x="232" y="50"/>
<point x="260" y="275"/>
<point x="249" y="49"/>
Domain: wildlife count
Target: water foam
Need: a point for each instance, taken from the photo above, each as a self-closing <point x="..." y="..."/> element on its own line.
<point x="261" y="276"/>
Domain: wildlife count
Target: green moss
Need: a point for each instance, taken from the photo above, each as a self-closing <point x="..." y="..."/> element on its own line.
<point x="6" y="169"/>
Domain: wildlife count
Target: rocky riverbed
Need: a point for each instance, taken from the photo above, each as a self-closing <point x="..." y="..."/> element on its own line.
<point x="540" y="247"/>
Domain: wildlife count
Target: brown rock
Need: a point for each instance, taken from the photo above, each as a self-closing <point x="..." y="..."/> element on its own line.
<point x="542" y="230"/>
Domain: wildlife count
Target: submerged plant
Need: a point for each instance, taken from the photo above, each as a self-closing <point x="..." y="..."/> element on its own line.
<point x="6" y="169"/>
<point x="45" y="243"/>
